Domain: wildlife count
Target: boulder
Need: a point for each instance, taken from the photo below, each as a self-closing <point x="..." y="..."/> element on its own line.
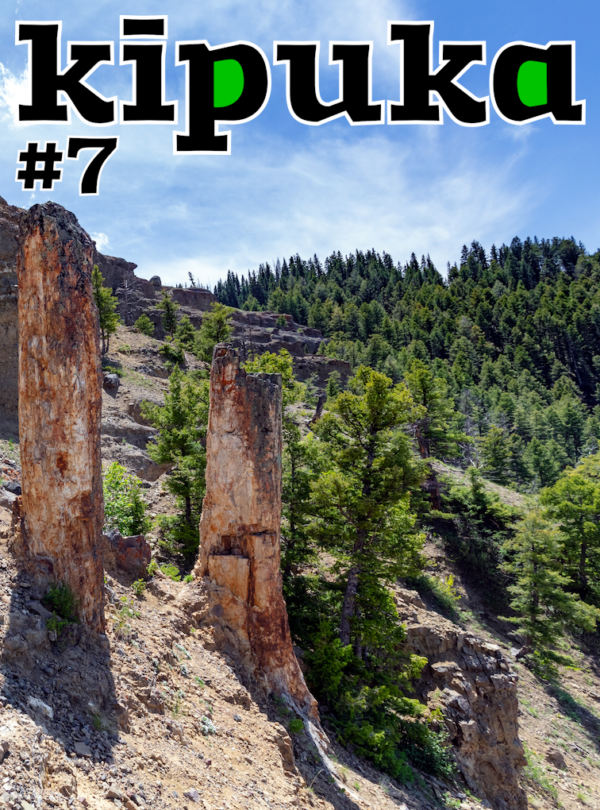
<point x="129" y="554"/>
<point x="133" y="458"/>
<point x="7" y="499"/>
<point x="556" y="758"/>
<point x="111" y="381"/>
<point x="126" y="429"/>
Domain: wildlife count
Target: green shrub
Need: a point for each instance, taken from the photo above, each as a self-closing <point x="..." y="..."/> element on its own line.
<point x="208" y="726"/>
<point x="64" y="604"/>
<point x="145" y="325"/>
<point x="172" y="353"/>
<point x="112" y="370"/>
<point x="442" y="591"/>
<point x="369" y="709"/>
<point x="296" y="726"/>
<point x="171" y="571"/>
<point x="62" y="601"/>
<point x="428" y="750"/>
<point x="138" y="587"/>
<point x="124" y="506"/>
<point x="56" y="625"/>
<point x="124" y="612"/>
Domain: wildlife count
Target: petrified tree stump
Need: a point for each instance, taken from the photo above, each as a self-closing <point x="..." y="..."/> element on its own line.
<point x="60" y="401"/>
<point x="240" y="526"/>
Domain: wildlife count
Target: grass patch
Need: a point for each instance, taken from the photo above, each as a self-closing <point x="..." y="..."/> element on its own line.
<point x="124" y="612"/>
<point x="440" y="591"/>
<point x="533" y="712"/>
<point x="141" y="380"/>
<point x="568" y="704"/>
<point x="535" y="773"/>
<point x="112" y="370"/>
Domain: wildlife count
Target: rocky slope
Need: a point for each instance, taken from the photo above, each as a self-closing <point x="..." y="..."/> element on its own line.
<point x="473" y="683"/>
<point x="134" y="698"/>
<point x="151" y="714"/>
<point x="160" y="712"/>
<point x="167" y="617"/>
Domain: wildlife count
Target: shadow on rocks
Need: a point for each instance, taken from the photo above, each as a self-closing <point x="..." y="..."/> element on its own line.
<point x="61" y="678"/>
<point x="577" y="711"/>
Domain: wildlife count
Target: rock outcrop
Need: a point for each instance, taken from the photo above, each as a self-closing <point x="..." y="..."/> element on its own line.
<point x="60" y="400"/>
<point x="477" y="692"/>
<point x="130" y="554"/>
<point x="9" y="351"/>
<point x="239" y="555"/>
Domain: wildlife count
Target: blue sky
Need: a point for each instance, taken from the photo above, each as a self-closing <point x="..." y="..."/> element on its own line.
<point x="289" y="188"/>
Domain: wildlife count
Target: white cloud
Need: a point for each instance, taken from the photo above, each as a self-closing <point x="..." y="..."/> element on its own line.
<point x="102" y="241"/>
<point x="286" y="188"/>
<point x="14" y="90"/>
<point x="331" y="194"/>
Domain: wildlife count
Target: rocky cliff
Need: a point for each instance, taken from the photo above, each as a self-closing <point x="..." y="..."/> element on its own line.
<point x="474" y="685"/>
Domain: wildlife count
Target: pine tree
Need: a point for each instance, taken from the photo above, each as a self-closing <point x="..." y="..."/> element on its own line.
<point x="361" y="500"/>
<point x="574" y="503"/>
<point x="516" y="324"/>
<point x="432" y="431"/>
<point x="541" y="601"/>
<point x="216" y="328"/>
<point x="185" y="334"/>
<point x="169" y="309"/>
<point x="334" y="385"/>
<point x="497" y="456"/>
<point x="145" y="325"/>
<point x="182" y="423"/>
<point x="107" y="305"/>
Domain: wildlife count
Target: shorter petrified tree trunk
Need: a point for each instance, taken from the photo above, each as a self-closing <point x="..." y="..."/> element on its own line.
<point x="240" y="526"/>
<point x="60" y="401"/>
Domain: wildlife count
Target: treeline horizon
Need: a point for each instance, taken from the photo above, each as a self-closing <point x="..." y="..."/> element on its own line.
<point x="514" y="332"/>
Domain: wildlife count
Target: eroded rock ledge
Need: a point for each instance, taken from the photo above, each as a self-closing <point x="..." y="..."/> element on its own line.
<point x="477" y="692"/>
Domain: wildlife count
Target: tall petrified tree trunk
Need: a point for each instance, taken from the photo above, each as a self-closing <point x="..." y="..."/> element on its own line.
<point x="240" y="527"/>
<point x="60" y="400"/>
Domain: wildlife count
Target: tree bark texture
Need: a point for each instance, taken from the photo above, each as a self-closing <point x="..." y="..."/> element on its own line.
<point x="60" y="401"/>
<point x="240" y="526"/>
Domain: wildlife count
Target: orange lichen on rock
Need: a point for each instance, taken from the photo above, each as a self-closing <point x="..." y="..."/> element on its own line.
<point x="240" y="526"/>
<point x="60" y="401"/>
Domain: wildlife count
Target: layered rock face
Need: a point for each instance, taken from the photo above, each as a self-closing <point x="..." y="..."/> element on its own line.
<point x="60" y="400"/>
<point x="478" y="697"/>
<point x="239" y="531"/>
